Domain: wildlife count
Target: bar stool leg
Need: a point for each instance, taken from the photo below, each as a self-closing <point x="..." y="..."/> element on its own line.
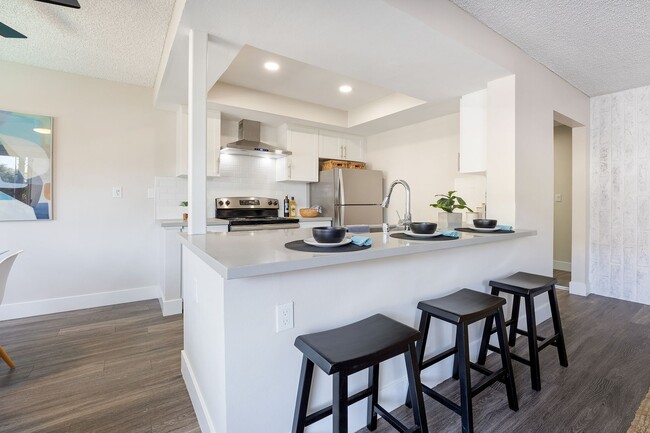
<point x="455" y="369"/>
<point x="425" y="321"/>
<point x="373" y="384"/>
<point x="557" y="327"/>
<point x="506" y="361"/>
<point x="485" y="340"/>
<point x="465" y="380"/>
<point x="532" y="344"/>
<point x="514" y="319"/>
<point x="304" y="386"/>
<point x="340" y="403"/>
<point x="415" y="388"/>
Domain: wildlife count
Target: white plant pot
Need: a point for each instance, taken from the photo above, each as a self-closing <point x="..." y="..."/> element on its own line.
<point x="450" y="220"/>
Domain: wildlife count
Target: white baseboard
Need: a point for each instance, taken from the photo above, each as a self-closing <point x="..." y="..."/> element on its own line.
<point x="70" y="303"/>
<point x="170" y="307"/>
<point x="577" y="288"/>
<point x="562" y="266"/>
<point x="193" y="389"/>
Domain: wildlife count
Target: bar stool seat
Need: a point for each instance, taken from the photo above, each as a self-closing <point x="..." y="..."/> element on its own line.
<point x="346" y="350"/>
<point x="526" y="286"/>
<point x="463" y="308"/>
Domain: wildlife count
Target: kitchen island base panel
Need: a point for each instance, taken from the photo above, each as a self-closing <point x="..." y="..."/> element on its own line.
<point x="239" y="360"/>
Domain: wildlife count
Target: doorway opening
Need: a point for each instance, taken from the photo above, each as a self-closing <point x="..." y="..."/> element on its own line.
<point x="571" y="204"/>
<point x="562" y="203"/>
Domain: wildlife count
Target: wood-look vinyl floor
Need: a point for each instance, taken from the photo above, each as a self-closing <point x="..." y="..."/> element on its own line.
<point x="608" y="345"/>
<point x="563" y="277"/>
<point x="117" y="369"/>
<point x="110" y="369"/>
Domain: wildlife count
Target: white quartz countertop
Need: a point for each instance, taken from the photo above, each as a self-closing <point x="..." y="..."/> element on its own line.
<point x="303" y="219"/>
<point x="180" y="223"/>
<point x="247" y="254"/>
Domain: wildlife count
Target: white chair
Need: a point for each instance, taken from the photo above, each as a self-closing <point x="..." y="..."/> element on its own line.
<point x="6" y="262"/>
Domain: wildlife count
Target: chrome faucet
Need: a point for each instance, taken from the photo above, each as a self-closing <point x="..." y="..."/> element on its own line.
<point x="406" y="221"/>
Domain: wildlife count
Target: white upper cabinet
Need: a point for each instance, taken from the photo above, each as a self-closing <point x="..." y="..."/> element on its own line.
<point x="302" y="164"/>
<point x="336" y="145"/>
<point x="473" y="132"/>
<point x="213" y="142"/>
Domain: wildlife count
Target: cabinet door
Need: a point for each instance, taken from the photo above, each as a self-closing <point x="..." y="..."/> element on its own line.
<point x="354" y="147"/>
<point x="329" y="146"/>
<point x="302" y="165"/>
<point x="213" y="150"/>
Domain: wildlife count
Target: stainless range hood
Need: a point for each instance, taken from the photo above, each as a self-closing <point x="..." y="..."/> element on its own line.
<point x="249" y="143"/>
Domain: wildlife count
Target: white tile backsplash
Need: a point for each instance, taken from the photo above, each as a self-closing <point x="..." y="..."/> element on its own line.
<point x="620" y="195"/>
<point x="240" y="176"/>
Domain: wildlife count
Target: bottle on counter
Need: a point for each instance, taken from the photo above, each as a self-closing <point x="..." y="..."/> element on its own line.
<point x="292" y="207"/>
<point x="286" y="205"/>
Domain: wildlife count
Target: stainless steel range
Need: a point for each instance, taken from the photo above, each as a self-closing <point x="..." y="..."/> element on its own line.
<point x="252" y="213"/>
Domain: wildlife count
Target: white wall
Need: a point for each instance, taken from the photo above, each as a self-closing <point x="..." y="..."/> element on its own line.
<point x="105" y="134"/>
<point x="562" y="213"/>
<point x="425" y="155"/>
<point x="620" y="195"/>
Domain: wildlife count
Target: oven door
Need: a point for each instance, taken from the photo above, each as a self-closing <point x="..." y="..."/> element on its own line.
<point x="254" y="227"/>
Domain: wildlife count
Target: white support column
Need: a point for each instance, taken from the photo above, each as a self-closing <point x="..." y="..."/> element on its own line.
<point x="197" y="132"/>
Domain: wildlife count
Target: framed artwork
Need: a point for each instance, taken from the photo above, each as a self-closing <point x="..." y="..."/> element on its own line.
<point x="25" y="167"/>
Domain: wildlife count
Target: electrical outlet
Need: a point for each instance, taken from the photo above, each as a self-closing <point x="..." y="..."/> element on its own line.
<point x="558" y="198"/>
<point x="284" y="317"/>
<point x="117" y="192"/>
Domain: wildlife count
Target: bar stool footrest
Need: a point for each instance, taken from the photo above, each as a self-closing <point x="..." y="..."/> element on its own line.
<point x="489" y="380"/>
<point x="327" y="411"/>
<point x="394" y="422"/>
<point x="439" y="357"/>
<point x="441" y="399"/>
<point x="550" y="341"/>
<point x="525" y="334"/>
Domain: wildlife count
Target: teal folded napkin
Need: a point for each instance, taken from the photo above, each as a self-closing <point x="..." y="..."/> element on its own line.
<point x="505" y="228"/>
<point x="361" y="241"/>
<point x="450" y="233"/>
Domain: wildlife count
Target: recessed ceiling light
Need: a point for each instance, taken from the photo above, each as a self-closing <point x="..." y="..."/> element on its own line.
<point x="43" y="130"/>
<point x="271" y="66"/>
<point x="345" y="89"/>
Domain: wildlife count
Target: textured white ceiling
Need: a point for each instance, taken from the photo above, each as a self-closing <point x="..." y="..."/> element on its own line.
<point x="119" y="40"/>
<point x="599" y="46"/>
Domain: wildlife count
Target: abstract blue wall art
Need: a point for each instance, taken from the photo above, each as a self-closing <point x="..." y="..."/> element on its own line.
<point x="25" y="167"/>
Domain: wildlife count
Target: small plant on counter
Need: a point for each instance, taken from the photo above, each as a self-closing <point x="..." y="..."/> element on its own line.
<point x="185" y="214"/>
<point x="447" y="202"/>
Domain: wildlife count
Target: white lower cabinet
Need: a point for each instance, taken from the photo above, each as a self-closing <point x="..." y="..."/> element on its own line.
<point x="311" y="224"/>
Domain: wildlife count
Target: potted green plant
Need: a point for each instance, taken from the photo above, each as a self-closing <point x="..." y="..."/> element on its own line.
<point x="448" y="203"/>
<point x="184" y="205"/>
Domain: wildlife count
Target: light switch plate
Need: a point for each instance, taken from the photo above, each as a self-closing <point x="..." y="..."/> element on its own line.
<point x="558" y="198"/>
<point x="117" y="192"/>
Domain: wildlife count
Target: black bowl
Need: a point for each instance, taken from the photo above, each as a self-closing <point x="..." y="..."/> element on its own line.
<point x="424" y="228"/>
<point x="328" y="235"/>
<point x="485" y="223"/>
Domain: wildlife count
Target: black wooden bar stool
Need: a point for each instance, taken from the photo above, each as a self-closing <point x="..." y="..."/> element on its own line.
<point x="463" y="308"/>
<point x="347" y="350"/>
<point x="527" y="286"/>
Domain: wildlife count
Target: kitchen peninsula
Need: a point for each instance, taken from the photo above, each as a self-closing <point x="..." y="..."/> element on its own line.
<point x="242" y="375"/>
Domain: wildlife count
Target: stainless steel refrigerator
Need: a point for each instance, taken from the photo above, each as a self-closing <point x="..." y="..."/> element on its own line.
<point x="350" y="196"/>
